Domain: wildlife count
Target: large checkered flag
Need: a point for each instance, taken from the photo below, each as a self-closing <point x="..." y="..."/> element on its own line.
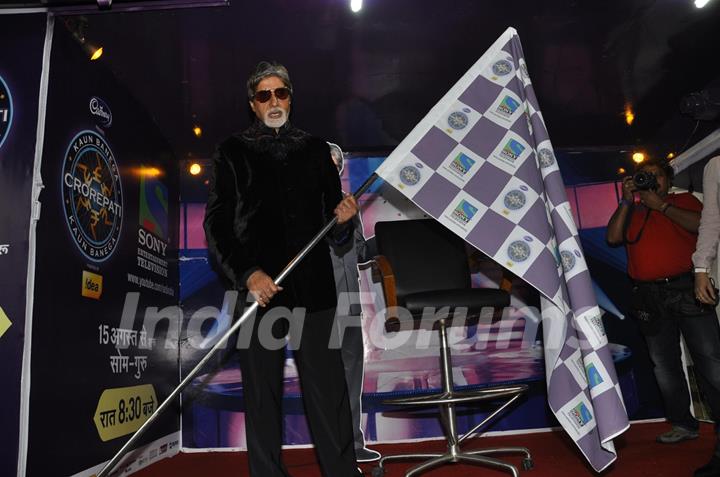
<point x="482" y="164"/>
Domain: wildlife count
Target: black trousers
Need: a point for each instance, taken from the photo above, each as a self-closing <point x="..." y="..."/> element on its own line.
<point x="325" y="397"/>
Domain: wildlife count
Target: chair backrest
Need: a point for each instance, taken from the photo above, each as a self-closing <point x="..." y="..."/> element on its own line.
<point x="424" y="256"/>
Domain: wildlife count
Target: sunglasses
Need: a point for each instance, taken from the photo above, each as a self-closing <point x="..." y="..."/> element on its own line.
<point x="265" y="95"/>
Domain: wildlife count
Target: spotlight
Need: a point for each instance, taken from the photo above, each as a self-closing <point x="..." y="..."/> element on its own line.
<point x="197" y="130"/>
<point x="638" y="157"/>
<point x="629" y="115"/>
<point x="621" y="171"/>
<point x="95" y="53"/>
<point x="701" y="3"/>
<point x="195" y="169"/>
<point x="356" y="5"/>
<point x="147" y="171"/>
<point x="77" y="26"/>
<point x="670" y="155"/>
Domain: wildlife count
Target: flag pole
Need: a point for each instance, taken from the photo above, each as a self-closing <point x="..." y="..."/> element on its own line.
<point x="223" y="340"/>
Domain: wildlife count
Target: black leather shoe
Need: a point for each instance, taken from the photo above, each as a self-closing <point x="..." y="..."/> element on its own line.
<point x="711" y="469"/>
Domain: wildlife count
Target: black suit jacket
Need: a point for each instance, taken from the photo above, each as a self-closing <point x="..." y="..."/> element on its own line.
<point x="262" y="209"/>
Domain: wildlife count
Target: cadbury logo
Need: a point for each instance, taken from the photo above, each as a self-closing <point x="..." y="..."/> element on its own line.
<point x="100" y="110"/>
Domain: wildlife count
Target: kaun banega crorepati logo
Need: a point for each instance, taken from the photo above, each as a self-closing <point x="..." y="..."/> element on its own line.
<point x="92" y="195"/>
<point x="6" y="111"/>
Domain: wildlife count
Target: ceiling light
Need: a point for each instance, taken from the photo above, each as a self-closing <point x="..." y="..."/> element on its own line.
<point x="621" y="171"/>
<point x="147" y="171"/>
<point x="638" y="157"/>
<point x="195" y="168"/>
<point x="197" y="130"/>
<point x="701" y="3"/>
<point x="671" y="155"/>
<point x="96" y="54"/>
<point x="356" y="5"/>
<point x="629" y="115"/>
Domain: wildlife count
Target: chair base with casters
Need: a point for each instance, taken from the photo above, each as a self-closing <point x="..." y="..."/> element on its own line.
<point x="425" y="276"/>
<point x="446" y="402"/>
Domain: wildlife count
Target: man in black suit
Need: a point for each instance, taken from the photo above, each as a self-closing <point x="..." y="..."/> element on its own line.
<point x="273" y="187"/>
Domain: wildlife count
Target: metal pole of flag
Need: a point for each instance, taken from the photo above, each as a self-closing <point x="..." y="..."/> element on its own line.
<point x="223" y="340"/>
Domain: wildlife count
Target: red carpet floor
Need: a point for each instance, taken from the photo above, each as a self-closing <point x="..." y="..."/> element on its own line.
<point x="554" y="454"/>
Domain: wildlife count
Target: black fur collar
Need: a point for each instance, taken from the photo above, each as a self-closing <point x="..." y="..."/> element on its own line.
<point x="262" y="139"/>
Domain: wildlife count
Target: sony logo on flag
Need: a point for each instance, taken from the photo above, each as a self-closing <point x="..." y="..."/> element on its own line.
<point x="593" y="375"/>
<point x="462" y="163"/>
<point x="507" y="107"/>
<point x="580" y="414"/>
<point x="464" y="212"/>
<point x="512" y="150"/>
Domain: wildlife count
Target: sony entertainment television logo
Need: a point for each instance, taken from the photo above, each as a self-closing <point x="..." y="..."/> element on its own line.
<point x="512" y="150"/>
<point x="462" y="163"/>
<point x="593" y="376"/>
<point x="580" y="414"/>
<point x="6" y="111"/>
<point x="507" y="107"/>
<point x="92" y="195"/>
<point x="101" y="111"/>
<point x="464" y="212"/>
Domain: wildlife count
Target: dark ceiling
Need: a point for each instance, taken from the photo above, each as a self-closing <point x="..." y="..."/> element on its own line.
<point x="365" y="79"/>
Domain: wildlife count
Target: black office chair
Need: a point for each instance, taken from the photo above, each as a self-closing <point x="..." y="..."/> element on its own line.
<point x="423" y="264"/>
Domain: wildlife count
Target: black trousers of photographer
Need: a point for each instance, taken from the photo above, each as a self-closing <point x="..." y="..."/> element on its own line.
<point x="325" y="396"/>
<point x="667" y="309"/>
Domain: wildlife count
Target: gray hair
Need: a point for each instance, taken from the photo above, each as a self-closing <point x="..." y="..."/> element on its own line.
<point x="265" y="69"/>
<point x="337" y="155"/>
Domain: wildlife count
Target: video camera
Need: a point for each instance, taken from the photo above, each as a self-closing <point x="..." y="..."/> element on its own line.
<point x="703" y="105"/>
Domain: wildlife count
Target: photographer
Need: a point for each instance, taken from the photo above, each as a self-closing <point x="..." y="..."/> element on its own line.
<point x="659" y="233"/>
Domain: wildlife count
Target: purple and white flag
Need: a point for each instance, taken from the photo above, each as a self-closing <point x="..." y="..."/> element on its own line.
<point x="482" y="164"/>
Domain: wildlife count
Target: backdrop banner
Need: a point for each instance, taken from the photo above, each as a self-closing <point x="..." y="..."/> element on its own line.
<point x="21" y="67"/>
<point x="105" y="336"/>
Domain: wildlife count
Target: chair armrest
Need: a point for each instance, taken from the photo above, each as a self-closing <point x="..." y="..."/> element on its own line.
<point x="506" y="282"/>
<point x="383" y="273"/>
